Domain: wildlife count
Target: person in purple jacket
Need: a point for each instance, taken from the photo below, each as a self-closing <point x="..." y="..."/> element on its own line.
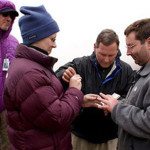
<point x="8" y="45"/>
<point x="39" y="111"/>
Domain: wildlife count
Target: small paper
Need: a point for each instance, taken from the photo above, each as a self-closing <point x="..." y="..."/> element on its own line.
<point x="115" y="95"/>
<point x="5" y="64"/>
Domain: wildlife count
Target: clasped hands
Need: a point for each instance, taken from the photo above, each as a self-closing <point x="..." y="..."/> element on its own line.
<point x="101" y="101"/>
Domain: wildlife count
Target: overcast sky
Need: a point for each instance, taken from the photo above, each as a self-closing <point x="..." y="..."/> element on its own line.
<point x="80" y="22"/>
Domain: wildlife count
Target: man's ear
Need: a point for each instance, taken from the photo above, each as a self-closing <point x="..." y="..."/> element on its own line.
<point x="95" y="46"/>
<point x="148" y="43"/>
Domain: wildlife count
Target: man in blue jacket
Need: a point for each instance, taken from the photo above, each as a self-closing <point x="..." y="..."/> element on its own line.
<point x="102" y="71"/>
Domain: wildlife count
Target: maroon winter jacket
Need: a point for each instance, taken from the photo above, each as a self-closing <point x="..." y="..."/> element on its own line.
<point x="39" y="113"/>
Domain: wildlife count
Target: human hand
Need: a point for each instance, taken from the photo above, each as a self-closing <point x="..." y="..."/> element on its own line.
<point x="68" y="73"/>
<point x="108" y="102"/>
<point x="91" y="100"/>
<point x="75" y="81"/>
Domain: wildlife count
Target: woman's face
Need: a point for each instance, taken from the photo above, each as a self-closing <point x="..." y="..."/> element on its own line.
<point x="47" y="43"/>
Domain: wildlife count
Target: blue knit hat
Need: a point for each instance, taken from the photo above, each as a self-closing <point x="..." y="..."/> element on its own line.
<point x="36" y="24"/>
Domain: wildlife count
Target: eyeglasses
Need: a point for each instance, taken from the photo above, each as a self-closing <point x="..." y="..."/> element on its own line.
<point x="131" y="46"/>
<point x="12" y="16"/>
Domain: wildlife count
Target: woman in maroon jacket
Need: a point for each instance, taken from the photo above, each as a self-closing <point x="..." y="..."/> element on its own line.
<point x="39" y="112"/>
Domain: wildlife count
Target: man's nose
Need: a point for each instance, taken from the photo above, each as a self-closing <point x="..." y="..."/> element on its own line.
<point x="128" y="51"/>
<point x="54" y="45"/>
<point x="9" y="18"/>
<point x="106" y="59"/>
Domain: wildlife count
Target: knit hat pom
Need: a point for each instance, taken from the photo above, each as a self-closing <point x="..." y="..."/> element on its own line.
<point x="36" y="24"/>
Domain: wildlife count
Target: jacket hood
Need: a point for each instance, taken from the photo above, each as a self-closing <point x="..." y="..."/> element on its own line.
<point x="5" y="4"/>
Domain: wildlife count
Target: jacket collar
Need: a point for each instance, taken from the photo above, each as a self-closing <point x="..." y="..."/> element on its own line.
<point x="39" y="49"/>
<point x="114" y="70"/>
<point x="34" y="55"/>
<point x="145" y="70"/>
